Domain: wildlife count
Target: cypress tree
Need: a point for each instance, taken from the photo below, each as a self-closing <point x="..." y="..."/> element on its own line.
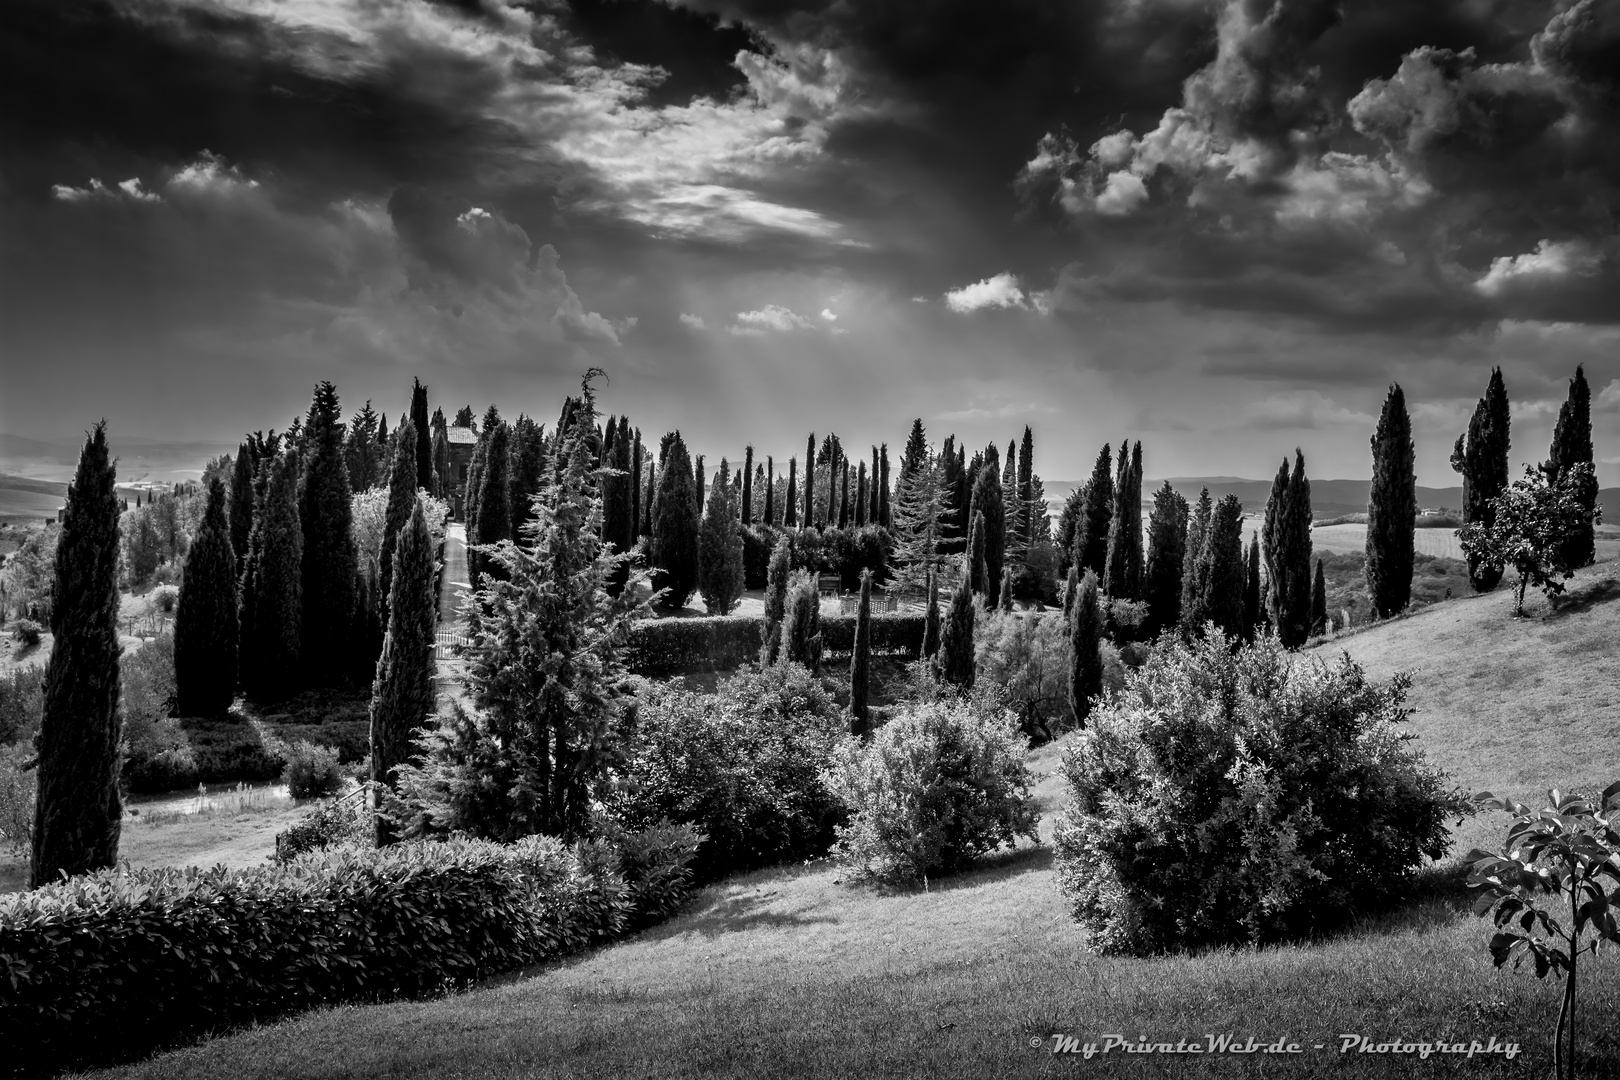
<point x="675" y="527"/>
<point x="699" y="495"/>
<point x="791" y="504"/>
<point x="441" y="455"/>
<point x="956" y="663"/>
<point x="1192" y="589"/>
<point x="1005" y="602"/>
<point x="1572" y="446"/>
<point x="360" y="449"/>
<point x="954" y="489"/>
<point x="977" y="577"/>
<point x="930" y="641"/>
<point x="770" y="490"/>
<point x="860" y="495"/>
<point x="776" y="584"/>
<point x="843" y="499"/>
<point x="423" y="443"/>
<point x="1220" y="575"/>
<point x="206" y="631"/>
<point x="1392" y="509"/>
<point x="720" y="548"/>
<point x="1031" y="508"/>
<point x="1091" y="541"/>
<point x="1481" y="456"/>
<point x="401" y="499"/>
<point x="809" y="515"/>
<point x="801" y="622"/>
<point x="860" y="662"/>
<point x="874" y="509"/>
<point x="1123" y="562"/>
<point x="78" y="811"/>
<point x="747" y="507"/>
<point x="1286" y="533"/>
<point x="1085" y="657"/>
<point x="402" y="693"/>
<point x="1251" y="592"/>
<point x="634" y="483"/>
<point x="271" y="633"/>
<point x="241" y="501"/>
<point x="1070" y="523"/>
<point x="885" y="513"/>
<point x="329" y="563"/>
<point x="493" y="522"/>
<point x="1165" y="560"/>
<point x="526" y="471"/>
<point x="649" y="496"/>
<point x="1319" y="602"/>
<point x="988" y="503"/>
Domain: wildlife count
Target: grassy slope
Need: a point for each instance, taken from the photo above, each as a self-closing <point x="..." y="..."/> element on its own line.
<point x="788" y="972"/>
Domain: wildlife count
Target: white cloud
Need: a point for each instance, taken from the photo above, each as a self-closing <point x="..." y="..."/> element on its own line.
<point x="210" y="175"/>
<point x="1000" y="291"/>
<point x="827" y="313"/>
<point x="1303" y="409"/>
<point x="1122" y="192"/>
<point x="771" y="317"/>
<point x="694" y="321"/>
<point x="1552" y="261"/>
<point x="130" y="190"/>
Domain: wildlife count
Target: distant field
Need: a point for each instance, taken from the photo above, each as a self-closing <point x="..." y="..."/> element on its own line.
<point x="21" y="497"/>
<point x="1441" y="543"/>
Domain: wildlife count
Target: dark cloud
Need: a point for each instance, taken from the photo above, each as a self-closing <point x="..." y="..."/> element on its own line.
<point x="695" y="49"/>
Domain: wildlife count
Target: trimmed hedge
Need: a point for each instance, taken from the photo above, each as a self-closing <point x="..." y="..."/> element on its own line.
<point x="659" y="648"/>
<point x="112" y="965"/>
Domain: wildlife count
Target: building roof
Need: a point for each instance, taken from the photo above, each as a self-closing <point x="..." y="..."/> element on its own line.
<point x="461" y="435"/>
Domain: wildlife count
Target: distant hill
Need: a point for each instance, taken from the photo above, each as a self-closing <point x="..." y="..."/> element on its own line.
<point x="21" y="497"/>
<point x="138" y="458"/>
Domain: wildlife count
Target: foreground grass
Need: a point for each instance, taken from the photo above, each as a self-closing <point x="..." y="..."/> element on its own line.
<point x="789" y="972"/>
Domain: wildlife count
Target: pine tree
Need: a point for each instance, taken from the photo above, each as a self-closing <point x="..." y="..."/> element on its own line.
<point x="977" y="575"/>
<point x="953" y="498"/>
<point x="329" y="562"/>
<point x="720" y="548"/>
<point x="808" y="517"/>
<point x="918" y="521"/>
<point x="1572" y="446"/>
<point x="206" y="631"/>
<point x="1165" y="560"/>
<point x="914" y="454"/>
<point x="272" y="590"/>
<point x="402" y="694"/>
<point x="776" y="585"/>
<point x="790" y="509"/>
<point x="423" y="444"/>
<point x="860" y="661"/>
<point x="1481" y="456"/>
<point x="1098" y="519"/>
<point x="401" y="501"/>
<point x="801" y="622"/>
<point x="1123" y="562"/>
<point x="1286" y="536"/>
<point x="465" y="418"/>
<point x="1319" y="602"/>
<point x="1085" y="657"/>
<point x="241" y="500"/>
<point x="675" y="528"/>
<point x="360" y="452"/>
<point x="1251" y="592"/>
<point x="930" y="641"/>
<point x="747" y="507"/>
<point x="78" y="812"/>
<point x="1391" y="509"/>
<point x="956" y="661"/>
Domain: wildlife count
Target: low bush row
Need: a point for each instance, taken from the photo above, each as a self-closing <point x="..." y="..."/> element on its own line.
<point x="170" y="754"/>
<point x="660" y="648"/>
<point x="114" y="964"/>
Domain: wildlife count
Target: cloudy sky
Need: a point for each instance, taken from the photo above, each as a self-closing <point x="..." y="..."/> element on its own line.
<point x="1220" y="227"/>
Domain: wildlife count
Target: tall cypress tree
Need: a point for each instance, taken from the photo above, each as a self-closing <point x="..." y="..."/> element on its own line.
<point x="1391" y="509"/>
<point x="699" y="475"/>
<point x="241" y="500"/>
<point x="1319" y="602"/>
<point x="1165" y="558"/>
<point x="1572" y="446"/>
<point x="402" y="693"/>
<point x="206" y="631"/>
<point x="1031" y="510"/>
<point x="1070" y="523"/>
<point x="675" y="528"/>
<point x="872" y="510"/>
<point x="1123" y="562"/>
<point x="776" y="584"/>
<point x="791" y="503"/>
<point x="422" y="445"/>
<point x="801" y="622"/>
<point x="1098" y="519"/>
<point x="808" y="517"/>
<point x="78" y="811"/>
<point x="747" y="508"/>
<point x="441" y="455"/>
<point x="1286" y="533"/>
<point x="1251" y="592"/>
<point x="956" y="662"/>
<point x="770" y="490"/>
<point x="360" y="449"/>
<point x="930" y="641"/>
<point x="1220" y="569"/>
<point x="885" y="512"/>
<point x="493" y="522"/>
<point x="860" y="495"/>
<point x="401" y="500"/>
<point x="1192" y="607"/>
<point x="330" y="563"/>
<point x="987" y="502"/>
<point x="1085" y="640"/>
<point x="720" y="548"/>
<point x="635" y="493"/>
<point x="273" y="591"/>
<point x="860" y="661"/>
<point x="526" y="471"/>
<point x="977" y="575"/>
<point x="1481" y="456"/>
<point x="915" y="452"/>
<point x="843" y="498"/>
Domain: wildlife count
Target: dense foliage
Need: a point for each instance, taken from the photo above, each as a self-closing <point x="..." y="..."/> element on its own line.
<point x="1530" y="530"/>
<point x="1481" y="456"/>
<point x="1286" y="546"/>
<point x="206" y="627"/>
<point x="1571" y="449"/>
<point x="1391" y="509"/>
<point x="1242" y="795"/>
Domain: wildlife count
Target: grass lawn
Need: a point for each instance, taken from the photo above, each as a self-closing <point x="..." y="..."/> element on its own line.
<point x="788" y="972"/>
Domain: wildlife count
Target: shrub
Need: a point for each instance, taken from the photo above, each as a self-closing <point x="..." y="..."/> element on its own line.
<point x="27" y="632"/>
<point x="17" y="789"/>
<point x="163" y="598"/>
<point x="742" y="765"/>
<point x="312" y="771"/>
<point x="147" y="686"/>
<point x="1125" y="620"/>
<point x="758" y="540"/>
<point x="341" y="821"/>
<point x="659" y="648"/>
<point x="22" y="703"/>
<point x="940" y="784"/>
<point x="1025" y="660"/>
<point x="114" y="964"/>
<point x="1229" y="796"/>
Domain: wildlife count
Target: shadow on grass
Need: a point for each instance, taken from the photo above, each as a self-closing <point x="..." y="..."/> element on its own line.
<point x="1000" y="866"/>
<point x="1584" y="598"/>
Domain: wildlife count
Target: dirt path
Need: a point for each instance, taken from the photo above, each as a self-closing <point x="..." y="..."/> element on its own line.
<point x="454" y="579"/>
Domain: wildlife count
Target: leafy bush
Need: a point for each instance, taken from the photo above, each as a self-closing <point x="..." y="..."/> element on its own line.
<point x="22" y="703"/>
<point x="341" y="821"/>
<point x="1124" y="620"/>
<point x="1444" y="519"/>
<point x="27" y="632"/>
<point x="939" y="785"/>
<point x="1025" y="660"/>
<point x="17" y="789"/>
<point x="1228" y="796"/>
<point x="663" y="647"/>
<point x="758" y="540"/>
<point x="163" y="598"/>
<point x="742" y="764"/>
<point x="147" y="681"/>
<point x="114" y="964"/>
<point x="312" y="770"/>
